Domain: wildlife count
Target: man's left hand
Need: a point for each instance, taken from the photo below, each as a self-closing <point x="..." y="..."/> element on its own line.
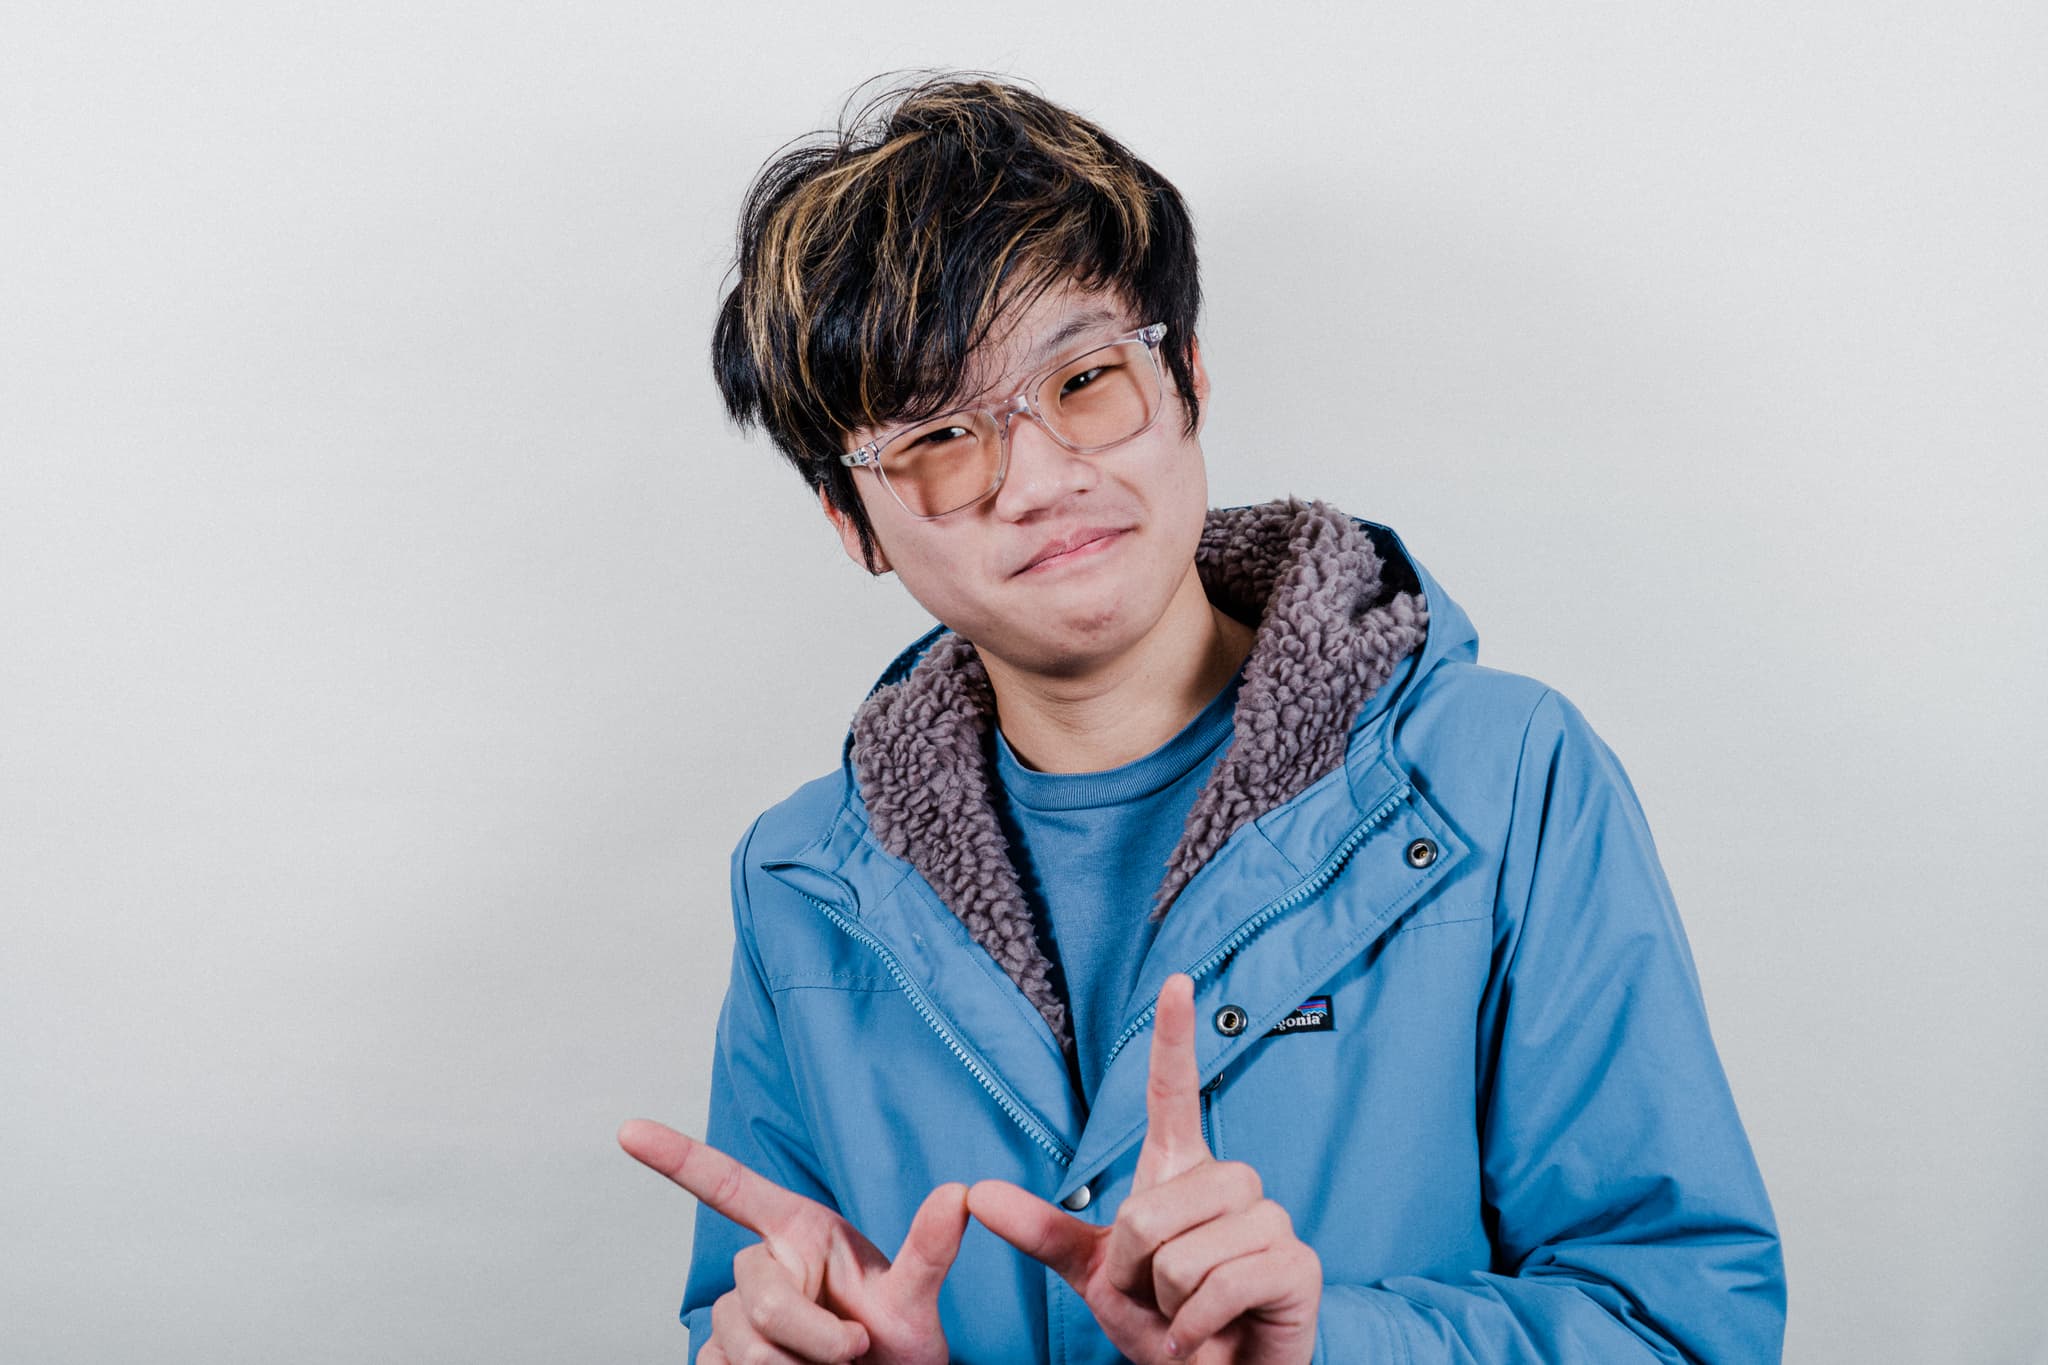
<point x="1199" y="1265"/>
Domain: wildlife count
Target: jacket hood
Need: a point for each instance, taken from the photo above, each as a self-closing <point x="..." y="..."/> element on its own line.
<point x="1338" y="605"/>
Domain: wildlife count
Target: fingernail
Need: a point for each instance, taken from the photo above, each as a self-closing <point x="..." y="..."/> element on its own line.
<point x="1172" y="1347"/>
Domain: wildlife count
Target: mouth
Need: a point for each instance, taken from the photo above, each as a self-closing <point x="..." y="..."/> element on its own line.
<point x="1082" y="545"/>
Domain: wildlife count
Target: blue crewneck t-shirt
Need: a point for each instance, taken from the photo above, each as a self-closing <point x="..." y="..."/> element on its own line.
<point x="1091" y="849"/>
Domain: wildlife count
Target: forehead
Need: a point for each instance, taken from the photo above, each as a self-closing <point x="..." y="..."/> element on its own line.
<point x="1037" y="335"/>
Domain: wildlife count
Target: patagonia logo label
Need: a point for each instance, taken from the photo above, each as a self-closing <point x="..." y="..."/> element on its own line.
<point x="1310" y="1016"/>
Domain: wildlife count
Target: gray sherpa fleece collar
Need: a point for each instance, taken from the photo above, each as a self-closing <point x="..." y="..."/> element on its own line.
<point x="1329" y="633"/>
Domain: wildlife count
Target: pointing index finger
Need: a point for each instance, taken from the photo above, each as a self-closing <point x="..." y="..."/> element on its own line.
<point x="1064" y="1244"/>
<point x="749" y="1199"/>
<point x="1173" y="1102"/>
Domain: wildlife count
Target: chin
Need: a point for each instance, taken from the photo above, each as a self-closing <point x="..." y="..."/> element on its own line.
<point x="1078" y="643"/>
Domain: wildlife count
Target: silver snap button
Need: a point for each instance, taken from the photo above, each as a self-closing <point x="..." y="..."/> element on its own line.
<point x="1078" y="1200"/>
<point x="1421" y="853"/>
<point x="1230" y="1021"/>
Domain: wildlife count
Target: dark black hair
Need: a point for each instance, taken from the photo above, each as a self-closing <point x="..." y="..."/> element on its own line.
<point x="874" y="259"/>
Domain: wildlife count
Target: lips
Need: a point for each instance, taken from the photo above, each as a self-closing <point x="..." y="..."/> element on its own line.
<point x="1067" y="544"/>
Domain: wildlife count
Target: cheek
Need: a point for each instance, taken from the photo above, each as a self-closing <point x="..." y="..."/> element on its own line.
<point x="940" y="580"/>
<point x="1179" y="482"/>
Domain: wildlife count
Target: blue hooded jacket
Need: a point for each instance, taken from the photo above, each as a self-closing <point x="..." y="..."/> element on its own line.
<point x="1469" y="1053"/>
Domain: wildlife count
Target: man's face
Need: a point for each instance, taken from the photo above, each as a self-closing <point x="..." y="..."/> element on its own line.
<point x="1133" y="515"/>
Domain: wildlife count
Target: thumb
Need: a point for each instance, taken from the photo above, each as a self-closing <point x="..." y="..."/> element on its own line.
<point x="930" y="1245"/>
<point x="1063" y="1244"/>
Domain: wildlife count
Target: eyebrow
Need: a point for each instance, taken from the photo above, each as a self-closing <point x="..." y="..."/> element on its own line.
<point x="1047" y="349"/>
<point x="1050" y="344"/>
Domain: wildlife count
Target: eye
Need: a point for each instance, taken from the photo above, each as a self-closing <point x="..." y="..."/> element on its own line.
<point x="1081" y="380"/>
<point x="938" y="436"/>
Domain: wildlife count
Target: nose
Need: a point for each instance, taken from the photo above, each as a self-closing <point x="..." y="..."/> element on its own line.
<point x="1038" y="471"/>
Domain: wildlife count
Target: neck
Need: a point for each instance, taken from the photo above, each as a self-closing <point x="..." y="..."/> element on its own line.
<point x="1130" y="705"/>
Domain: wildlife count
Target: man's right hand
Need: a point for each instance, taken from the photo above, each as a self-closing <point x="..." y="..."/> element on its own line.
<point x="813" y="1288"/>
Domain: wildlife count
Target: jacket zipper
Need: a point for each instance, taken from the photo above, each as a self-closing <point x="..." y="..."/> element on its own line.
<point x="1208" y="1099"/>
<point x="1324" y="875"/>
<point x="1057" y="1150"/>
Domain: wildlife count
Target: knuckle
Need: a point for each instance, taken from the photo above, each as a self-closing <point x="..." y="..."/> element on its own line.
<point x="1243" y="1176"/>
<point x="1226" y="1287"/>
<point x="1220" y="1280"/>
<point x="758" y="1352"/>
<point x="1275" y="1214"/>
<point x="811" y="1226"/>
<point x="763" y="1310"/>
<point x="1227" y="1281"/>
<point x="1174" y="1270"/>
<point x="731" y="1181"/>
<point x="1141" y="1219"/>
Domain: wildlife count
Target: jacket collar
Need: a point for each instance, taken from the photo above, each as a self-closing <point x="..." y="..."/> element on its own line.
<point x="1332" y="624"/>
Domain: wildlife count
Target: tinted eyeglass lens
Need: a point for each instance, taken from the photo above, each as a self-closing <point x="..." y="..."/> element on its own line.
<point x="944" y="464"/>
<point x="1104" y="397"/>
<point x="1092" y="402"/>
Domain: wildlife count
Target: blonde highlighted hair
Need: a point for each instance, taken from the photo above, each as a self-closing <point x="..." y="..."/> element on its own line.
<point x="873" y="259"/>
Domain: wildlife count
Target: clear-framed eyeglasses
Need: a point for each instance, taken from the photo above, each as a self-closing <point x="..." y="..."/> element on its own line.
<point x="1092" y="400"/>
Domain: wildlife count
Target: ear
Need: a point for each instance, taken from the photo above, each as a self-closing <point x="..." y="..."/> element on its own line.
<point x="849" y="538"/>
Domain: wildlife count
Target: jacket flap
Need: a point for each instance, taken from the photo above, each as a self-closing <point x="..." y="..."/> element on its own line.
<point x="966" y="998"/>
<point x="1276" y="951"/>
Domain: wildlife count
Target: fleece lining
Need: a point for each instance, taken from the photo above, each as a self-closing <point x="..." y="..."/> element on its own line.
<point x="1328" y="635"/>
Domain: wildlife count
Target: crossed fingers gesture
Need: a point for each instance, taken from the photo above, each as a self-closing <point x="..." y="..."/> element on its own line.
<point x="813" y="1288"/>
<point x="1199" y="1265"/>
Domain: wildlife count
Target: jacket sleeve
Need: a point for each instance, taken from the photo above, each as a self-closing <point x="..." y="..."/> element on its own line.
<point x="1629" y="1221"/>
<point x="754" y="1113"/>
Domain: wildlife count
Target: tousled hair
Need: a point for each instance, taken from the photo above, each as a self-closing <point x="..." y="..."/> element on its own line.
<point x="873" y="259"/>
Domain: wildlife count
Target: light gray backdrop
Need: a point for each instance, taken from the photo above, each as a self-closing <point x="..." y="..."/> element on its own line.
<point x="396" y="639"/>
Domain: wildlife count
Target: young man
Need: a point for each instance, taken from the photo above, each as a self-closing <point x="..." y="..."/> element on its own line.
<point x="1190" y="910"/>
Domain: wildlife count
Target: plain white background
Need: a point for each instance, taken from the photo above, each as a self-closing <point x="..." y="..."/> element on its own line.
<point x="395" y="639"/>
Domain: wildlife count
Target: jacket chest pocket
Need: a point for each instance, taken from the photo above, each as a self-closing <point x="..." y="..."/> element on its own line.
<point x="1373" y="1072"/>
